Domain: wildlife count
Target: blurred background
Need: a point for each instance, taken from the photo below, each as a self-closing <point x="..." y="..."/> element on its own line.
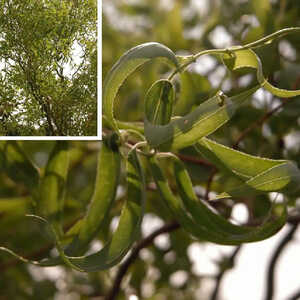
<point x="175" y="266"/>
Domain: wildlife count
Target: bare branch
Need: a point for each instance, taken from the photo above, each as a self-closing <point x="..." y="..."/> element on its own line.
<point x="220" y="276"/>
<point x="194" y="160"/>
<point x="295" y="296"/>
<point x="258" y="123"/>
<point x="274" y="259"/>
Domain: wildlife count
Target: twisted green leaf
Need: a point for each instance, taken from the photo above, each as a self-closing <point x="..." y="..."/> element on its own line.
<point x="122" y="239"/>
<point x="52" y="188"/>
<point x="200" y="220"/>
<point x="247" y="59"/>
<point x="128" y="227"/>
<point x="202" y="121"/>
<point x="129" y="61"/>
<point x="257" y="175"/>
<point x="159" y="102"/>
<point x="107" y="180"/>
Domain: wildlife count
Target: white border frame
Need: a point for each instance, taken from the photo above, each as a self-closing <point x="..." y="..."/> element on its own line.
<point x="99" y="100"/>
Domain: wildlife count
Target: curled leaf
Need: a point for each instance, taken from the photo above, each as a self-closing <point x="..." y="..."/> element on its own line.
<point x="159" y="102"/>
<point x="258" y="175"/>
<point x="200" y="220"/>
<point x="52" y="188"/>
<point x="107" y="180"/>
<point x="129" y="61"/>
<point x="242" y="59"/>
<point x="128" y="227"/>
<point x="122" y="239"/>
<point x="204" y="120"/>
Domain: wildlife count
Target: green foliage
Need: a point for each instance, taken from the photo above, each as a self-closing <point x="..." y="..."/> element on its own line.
<point x="45" y="89"/>
<point x="253" y="175"/>
<point x="159" y="147"/>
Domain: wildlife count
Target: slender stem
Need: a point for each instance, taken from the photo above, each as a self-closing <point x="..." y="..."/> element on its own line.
<point x="269" y="38"/>
<point x="220" y="276"/>
<point x="273" y="262"/>
<point x="258" y="43"/>
<point x="295" y="296"/>
<point x="209" y="182"/>
<point x="195" y="57"/>
<point x="257" y="123"/>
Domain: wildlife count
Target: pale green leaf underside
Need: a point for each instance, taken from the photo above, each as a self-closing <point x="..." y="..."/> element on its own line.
<point x="259" y="174"/>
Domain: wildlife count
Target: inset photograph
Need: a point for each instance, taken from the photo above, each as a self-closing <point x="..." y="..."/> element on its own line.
<point x="48" y="68"/>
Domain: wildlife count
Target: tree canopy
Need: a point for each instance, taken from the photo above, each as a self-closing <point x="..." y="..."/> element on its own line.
<point x="48" y="64"/>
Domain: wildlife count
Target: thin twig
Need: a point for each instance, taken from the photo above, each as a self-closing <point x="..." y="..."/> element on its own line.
<point x="258" y="123"/>
<point x="194" y="160"/>
<point x="295" y="296"/>
<point x="266" y="116"/>
<point x="293" y="219"/>
<point x="209" y="182"/>
<point x="220" y="276"/>
<point x="134" y="255"/>
<point x="273" y="262"/>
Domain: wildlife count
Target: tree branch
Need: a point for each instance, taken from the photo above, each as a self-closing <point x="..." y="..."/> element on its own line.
<point x="220" y="276"/>
<point x="209" y="182"/>
<point x="134" y="255"/>
<point x="265" y="117"/>
<point x="196" y="161"/>
<point x="295" y="296"/>
<point x="274" y="259"/>
<point x="258" y="123"/>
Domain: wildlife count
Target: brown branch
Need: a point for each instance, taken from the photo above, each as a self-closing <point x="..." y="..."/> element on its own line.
<point x="293" y="219"/>
<point x="220" y="276"/>
<point x="30" y="76"/>
<point x="196" y="161"/>
<point x="134" y="255"/>
<point x="265" y="117"/>
<point x="295" y="296"/>
<point x="209" y="182"/>
<point x="274" y="259"/>
<point x="258" y="123"/>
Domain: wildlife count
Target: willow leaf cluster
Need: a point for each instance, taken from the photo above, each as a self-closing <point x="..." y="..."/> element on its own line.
<point x="143" y="148"/>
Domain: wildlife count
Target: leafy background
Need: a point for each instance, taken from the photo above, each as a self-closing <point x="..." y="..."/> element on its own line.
<point x="174" y="266"/>
<point x="48" y="68"/>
